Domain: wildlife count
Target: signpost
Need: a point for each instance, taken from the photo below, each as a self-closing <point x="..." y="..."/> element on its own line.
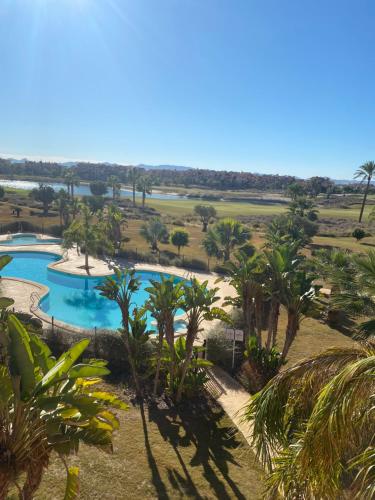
<point x="236" y="336"/>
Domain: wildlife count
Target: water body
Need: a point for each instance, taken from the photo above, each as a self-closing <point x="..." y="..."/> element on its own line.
<point x="74" y="299"/>
<point x="84" y="189"/>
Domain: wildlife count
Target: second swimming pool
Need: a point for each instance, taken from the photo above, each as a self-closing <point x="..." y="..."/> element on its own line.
<point x="73" y="299"/>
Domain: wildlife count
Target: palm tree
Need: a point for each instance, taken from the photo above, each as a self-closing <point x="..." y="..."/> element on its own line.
<point x="352" y="279"/>
<point x="62" y="203"/>
<point x="314" y="428"/>
<point x="48" y="405"/>
<point x="87" y="234"/>
<point x="365" y="173"/>
<point x="71" y="180"/>
<point x="115" y="221"/>
<point x="121" y="290"/>
<point x="165" y="299"/>
<point x="180" y="238"/>
<point x="115" y="185"/>
<point x="225" y="236"/>
<point x="144" y="185"/>
<point x="297" y="296"/>
<point x="199" y="305"/>
<point x="134" y="174"/>
<point x="303" y="207"/>
<point x="154" y="231"/>
<point x="244" y="278"/>
<point x="44" y="194"/>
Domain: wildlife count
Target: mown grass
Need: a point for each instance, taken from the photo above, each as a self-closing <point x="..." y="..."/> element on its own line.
<point x="161" y="453"/>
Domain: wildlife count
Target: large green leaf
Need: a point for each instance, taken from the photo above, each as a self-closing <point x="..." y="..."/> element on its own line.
<point x="72" y="484"/>
<point x="84" y="370"/>
<point x="63" y="365"/>
<point x="42" y="354"/>
<point x="21" y="358"/>
<point x="4" y="260"/>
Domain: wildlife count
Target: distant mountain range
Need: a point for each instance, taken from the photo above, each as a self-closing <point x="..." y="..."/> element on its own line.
<point x="70" y="164"/>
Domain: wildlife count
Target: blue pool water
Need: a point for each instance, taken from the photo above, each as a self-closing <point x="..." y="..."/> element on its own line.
<point x="29" y="239"/>
<point x="73" y="299"/>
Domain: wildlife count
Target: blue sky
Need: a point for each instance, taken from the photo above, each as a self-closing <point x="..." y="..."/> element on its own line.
<point x="265" y="86"/>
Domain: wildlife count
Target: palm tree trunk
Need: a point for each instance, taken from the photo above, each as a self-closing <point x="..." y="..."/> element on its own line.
<point x="86" y="258"/>
<point x="364" y="198"/>
<point x="134" y="192"/>
<point x="143" y="199"/>
<point x="132" y="364"/>
<point x="272" y="324"/>
<point x="190" y="338"/>
<point x="290" y="334"/>
<point x="72" y="191"/>
<point x="158" y="364"/>
<point x="33" y="479"/>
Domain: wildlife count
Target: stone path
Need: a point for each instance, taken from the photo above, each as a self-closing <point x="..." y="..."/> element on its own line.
<point x="233" y="398"/>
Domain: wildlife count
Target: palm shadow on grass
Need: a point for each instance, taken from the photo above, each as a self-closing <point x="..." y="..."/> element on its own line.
<point x="198" y="425"/>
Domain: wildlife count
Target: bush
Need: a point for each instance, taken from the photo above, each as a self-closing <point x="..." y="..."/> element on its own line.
<point x="358" y="234"/>
<point x="219" y="350"/>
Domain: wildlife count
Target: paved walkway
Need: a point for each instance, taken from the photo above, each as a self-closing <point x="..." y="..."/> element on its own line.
<point x="233" y="399"/>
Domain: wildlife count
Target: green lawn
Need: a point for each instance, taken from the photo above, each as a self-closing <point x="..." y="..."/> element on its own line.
<point x="159" y="453"/>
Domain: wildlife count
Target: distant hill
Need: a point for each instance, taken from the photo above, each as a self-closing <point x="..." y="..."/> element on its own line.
<point x="180" y="168"/>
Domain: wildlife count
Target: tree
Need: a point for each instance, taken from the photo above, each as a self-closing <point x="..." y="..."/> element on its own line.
<point x="296" y="190"/>
<point x="115" y="185"/>
<point x="98" y="188"/>
<point x="165" y="299"/>
<point x="302" y="207"/>
<point x="134" y="175"/>
<point x="45" y="195"/>
<point x="224" y="237"/>
<point x="62" y="205"/>
<point x="313" y="426"/>
<point x="95" y="203"/>
<point x="16" y="210"/>
<point x="199" y="305"/>
<point x="317" y="185"/>
<point x="180" y="238"/>
<point x="86" y="234"/>
<point x="154" y="232"/>
<point x="115" y="220"/>
<point x="144" y="185"/>
<point x="48" y="405"/>
<point x="121" y="290"/>
<point x="205" y="213"/>
<point x="2" y="192"/>
<point x="358" y="233"/>
<point x="365" y="173"/>
<point x="288" y="228"/>
<point x="71" y="180"/>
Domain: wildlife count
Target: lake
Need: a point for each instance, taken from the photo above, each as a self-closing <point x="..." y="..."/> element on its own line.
<point x="84" y="189"/>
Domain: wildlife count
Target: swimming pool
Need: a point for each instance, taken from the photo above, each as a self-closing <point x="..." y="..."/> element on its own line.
<point x="73" y="299"/>
<point x="29" y="239"/>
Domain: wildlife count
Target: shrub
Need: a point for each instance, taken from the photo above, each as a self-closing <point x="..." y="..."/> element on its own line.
<point x="219" y="349"/>
<point x="358" y="234"/>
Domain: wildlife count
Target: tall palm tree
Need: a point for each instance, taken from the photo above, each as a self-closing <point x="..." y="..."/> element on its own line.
<point x="71" y="180"/>
<point x="225" y="236"/>
<point x="121" y="290"/>
<point x="365" y="172"/>
<point x="165" y="299"/>
<point x="134" y="174"/>
<point x="115" y="185"/>
<point x="115" y="221"/>
<point x="144" y="185"/>
<point x="62" y="205"/>
<point x="88" y="234"/>
<point x="314" y="426"/>
<point x="199" y="305"/>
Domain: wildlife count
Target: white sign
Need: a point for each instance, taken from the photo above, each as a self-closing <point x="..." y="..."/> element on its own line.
<point x="232" y="334"/>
